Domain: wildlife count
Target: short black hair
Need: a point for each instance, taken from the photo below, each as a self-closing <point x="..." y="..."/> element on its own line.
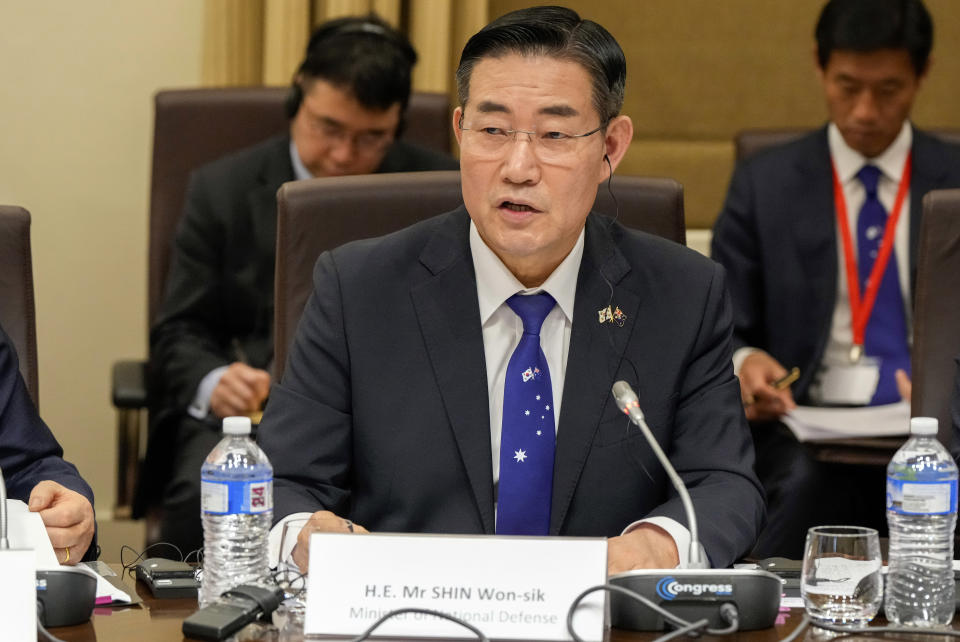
<point x="871" y="25"/>
<point x="363" y="55"/>
<point x="556" y="32"/>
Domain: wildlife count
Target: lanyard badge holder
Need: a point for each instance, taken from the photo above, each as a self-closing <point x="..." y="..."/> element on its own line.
<point x="856" y="381"/>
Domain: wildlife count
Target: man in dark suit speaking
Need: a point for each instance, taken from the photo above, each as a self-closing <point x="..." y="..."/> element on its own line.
<point x="455" y="377"/>
<point x="35" y="471"/>
<point x="819" y="239"/>
<point x="211" y="347"/>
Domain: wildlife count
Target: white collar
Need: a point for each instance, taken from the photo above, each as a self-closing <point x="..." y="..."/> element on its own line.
<point x="496" y="284"/>
<point x="848" y="161"/>
<point x="300" y="171"/>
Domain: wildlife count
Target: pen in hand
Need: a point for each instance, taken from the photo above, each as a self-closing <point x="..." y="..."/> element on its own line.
<point x="784" y="382"/>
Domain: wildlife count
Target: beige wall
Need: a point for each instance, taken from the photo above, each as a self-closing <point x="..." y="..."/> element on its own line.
<point x="76" y="86"/>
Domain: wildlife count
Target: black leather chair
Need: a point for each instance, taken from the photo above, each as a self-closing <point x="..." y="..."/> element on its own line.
<point x="318" y="215"/>
<point x="17" y="308"/>
<point x="936" y="317"/>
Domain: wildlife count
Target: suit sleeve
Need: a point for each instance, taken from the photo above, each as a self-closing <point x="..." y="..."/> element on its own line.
<point x="29" y="453"/>
<point x="711" y="446"/>
<point x="307" y="426"/>
<point x="736" y="246"/>
<point x="190" y="337"/>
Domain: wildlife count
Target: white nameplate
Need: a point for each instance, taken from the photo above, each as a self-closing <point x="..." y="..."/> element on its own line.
<point x="18" y="594"/>
<point x="508" y="587"/>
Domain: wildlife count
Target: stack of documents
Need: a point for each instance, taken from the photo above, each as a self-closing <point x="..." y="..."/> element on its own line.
<point x="809" y="423"/>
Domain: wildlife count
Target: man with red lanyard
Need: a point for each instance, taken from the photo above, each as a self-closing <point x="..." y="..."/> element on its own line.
<point x="818" y="237"/>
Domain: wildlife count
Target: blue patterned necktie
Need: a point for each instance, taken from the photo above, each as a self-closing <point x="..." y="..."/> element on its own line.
<point x="528" y="434"/>
<point x="885" y="337"/>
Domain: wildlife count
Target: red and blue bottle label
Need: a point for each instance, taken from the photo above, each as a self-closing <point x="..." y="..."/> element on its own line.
<point x="232" y="497"/>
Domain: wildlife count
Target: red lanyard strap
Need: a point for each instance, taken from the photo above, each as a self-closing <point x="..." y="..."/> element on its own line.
<point x="860" y="309"/>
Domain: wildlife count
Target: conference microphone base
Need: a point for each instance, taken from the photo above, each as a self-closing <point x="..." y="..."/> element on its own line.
<point x="693" y="594"/>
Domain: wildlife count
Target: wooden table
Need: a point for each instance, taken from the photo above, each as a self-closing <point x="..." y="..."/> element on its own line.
<point x="160" y="620"/>
<point x="152" y="620"/>
<point x="867" y="451"/>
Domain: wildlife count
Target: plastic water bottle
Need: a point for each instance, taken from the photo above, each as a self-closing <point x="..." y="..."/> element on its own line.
<point x="237" y="509"/>
<point x="921" y="514"/>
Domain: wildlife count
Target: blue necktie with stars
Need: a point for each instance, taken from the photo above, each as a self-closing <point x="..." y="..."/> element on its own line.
<point x="885" y="337"/>
<point x="527" y="435"/>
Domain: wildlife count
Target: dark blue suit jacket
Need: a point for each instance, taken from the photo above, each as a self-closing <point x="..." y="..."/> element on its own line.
<point x="383" y="413"/>
<point x="29" y="453"/>
<point x="776" y="236"/>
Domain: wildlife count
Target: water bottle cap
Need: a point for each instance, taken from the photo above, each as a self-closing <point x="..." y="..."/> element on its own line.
<point x="923" y="426"/>
<point x="236" y="425"/>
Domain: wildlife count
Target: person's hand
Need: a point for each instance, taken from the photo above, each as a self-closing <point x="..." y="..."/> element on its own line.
<point x="321" y="522"/>
<point x="647" y="546"/>
<point x="761" y="401"/>
<point x="68" y="517"/>
<point x="241" y="390"/>
<point x="904" y="385"/>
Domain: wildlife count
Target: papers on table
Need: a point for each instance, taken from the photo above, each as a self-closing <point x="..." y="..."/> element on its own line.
<point x="809" y="423"/>
<point x="110" y="589"/>
<point x="26" y="530"/>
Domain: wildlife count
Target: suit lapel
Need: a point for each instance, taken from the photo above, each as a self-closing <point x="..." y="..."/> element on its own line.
<point x="810" y="213"/>
<point x="595" y="353"/>
<point x="262" y="199"/>
<point x="810" y="217"/>
<point x="449" y="316"/>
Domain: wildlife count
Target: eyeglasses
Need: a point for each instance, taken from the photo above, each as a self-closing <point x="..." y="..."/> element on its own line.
<point x="363" y="142"/>
<point x="488" y="139"/>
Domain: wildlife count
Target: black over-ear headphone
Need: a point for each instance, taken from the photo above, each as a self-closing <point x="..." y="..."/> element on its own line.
<point x="335" y="29"/>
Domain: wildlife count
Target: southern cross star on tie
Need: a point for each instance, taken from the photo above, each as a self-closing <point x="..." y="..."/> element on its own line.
<point x="527" y="439"/>
<point x="885" y="337"/>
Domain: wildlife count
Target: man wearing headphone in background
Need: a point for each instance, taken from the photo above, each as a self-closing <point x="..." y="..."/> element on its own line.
<point x="212" y="344"/>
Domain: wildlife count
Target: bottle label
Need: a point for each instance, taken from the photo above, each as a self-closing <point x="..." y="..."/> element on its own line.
<point x="921" y="498"/>
<point x="232" y="497"/>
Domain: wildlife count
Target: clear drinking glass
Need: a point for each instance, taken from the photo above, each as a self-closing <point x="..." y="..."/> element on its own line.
<point x="288" y="540"/>
<point x="289" y="616"/>
<point x="841" y="581"/>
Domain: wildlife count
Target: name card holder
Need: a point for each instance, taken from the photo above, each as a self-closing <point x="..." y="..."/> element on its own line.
<point x="18" y="594"/>
<point x="508" y="587"/>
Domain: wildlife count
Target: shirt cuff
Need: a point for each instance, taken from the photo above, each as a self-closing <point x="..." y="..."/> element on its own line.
<point x="676" y="530"/>
<point x="276" y="533"/>
<point x="740" y="355"/>
<point x="199" y="408"/>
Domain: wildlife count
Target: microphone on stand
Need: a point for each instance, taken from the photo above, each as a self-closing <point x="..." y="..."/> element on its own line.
<point x="696" y="591"/>
<point x="627" y="402"/>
